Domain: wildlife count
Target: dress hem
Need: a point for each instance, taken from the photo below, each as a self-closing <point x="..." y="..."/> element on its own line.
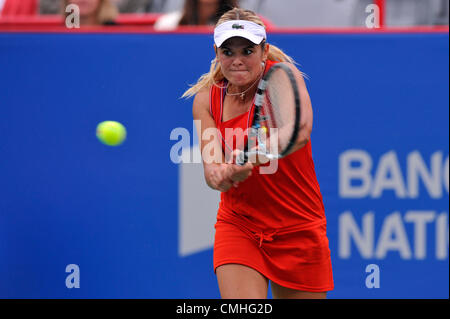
<point x="271" y="278"/>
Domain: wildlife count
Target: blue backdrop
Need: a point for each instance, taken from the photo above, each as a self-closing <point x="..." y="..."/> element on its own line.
<point x="380" y="145"/>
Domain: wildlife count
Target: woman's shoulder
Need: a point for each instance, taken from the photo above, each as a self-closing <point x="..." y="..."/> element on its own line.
<point x="209" y="94"/>
<point x="200" y="106"/>
<point x="202" y="96"/>
<point x="207" y="90"/>
<point x="290" y="65"/>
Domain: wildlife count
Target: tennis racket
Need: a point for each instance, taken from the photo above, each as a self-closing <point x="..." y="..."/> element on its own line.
<point x="276" y="118"/>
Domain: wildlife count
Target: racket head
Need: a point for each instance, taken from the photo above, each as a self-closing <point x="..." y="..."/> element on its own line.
<point x="276" y="120"/>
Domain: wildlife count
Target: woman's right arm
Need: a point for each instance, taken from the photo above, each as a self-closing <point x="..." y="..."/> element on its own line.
<point x="218" y="174"/>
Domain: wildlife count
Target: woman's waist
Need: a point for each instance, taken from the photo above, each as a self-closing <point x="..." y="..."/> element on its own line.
<point x="258" y="221"/>
<point x="285" y="204"/>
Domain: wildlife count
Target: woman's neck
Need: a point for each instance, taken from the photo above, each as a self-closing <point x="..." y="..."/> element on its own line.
<point x="243" y="92"/>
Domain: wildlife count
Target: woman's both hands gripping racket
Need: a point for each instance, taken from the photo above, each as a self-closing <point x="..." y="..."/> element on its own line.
<point x="276" y="118"/>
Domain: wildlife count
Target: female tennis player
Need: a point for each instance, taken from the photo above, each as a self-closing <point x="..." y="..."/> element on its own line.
<point x="270" y="227"/>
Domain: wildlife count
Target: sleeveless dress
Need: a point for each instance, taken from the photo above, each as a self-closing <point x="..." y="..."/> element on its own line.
<point x="273" y="223"/>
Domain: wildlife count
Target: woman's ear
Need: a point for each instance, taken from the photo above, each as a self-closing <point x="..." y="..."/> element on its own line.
<point x="215" y="51"/>
<point x="216" y="58"/>
<point x="266" y="51"/>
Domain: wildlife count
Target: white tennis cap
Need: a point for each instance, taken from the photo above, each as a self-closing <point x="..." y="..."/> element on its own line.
<point x="239" y="28"/>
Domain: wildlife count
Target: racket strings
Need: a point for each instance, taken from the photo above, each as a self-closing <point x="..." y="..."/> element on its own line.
<point x="279" y="110"/>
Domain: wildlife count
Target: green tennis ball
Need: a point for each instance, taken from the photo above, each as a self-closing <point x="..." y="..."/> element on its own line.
<point x="111" y="133"/>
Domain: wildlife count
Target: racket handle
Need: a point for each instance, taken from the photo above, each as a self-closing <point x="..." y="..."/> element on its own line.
<point x="242" y="158"/>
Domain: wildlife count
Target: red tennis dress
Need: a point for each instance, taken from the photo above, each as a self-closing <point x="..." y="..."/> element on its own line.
<point x="273" y="223"/>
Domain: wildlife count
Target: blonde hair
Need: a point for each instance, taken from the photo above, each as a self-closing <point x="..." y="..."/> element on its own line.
<point x="215" y="74"/>
<point x="106" y="11"/>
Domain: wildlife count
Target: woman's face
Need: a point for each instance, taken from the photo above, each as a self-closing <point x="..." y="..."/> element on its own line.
<point x="87" y="7"/>
<point x="240" y="60"/>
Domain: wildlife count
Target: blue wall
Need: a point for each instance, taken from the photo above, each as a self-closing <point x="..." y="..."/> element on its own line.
<point x="379" y="99"/>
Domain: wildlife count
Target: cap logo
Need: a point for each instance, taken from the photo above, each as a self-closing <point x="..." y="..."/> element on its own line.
<point x="237" y="26"/>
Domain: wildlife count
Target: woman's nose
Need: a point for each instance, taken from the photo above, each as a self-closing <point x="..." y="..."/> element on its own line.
<point x="237" y="61"/>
